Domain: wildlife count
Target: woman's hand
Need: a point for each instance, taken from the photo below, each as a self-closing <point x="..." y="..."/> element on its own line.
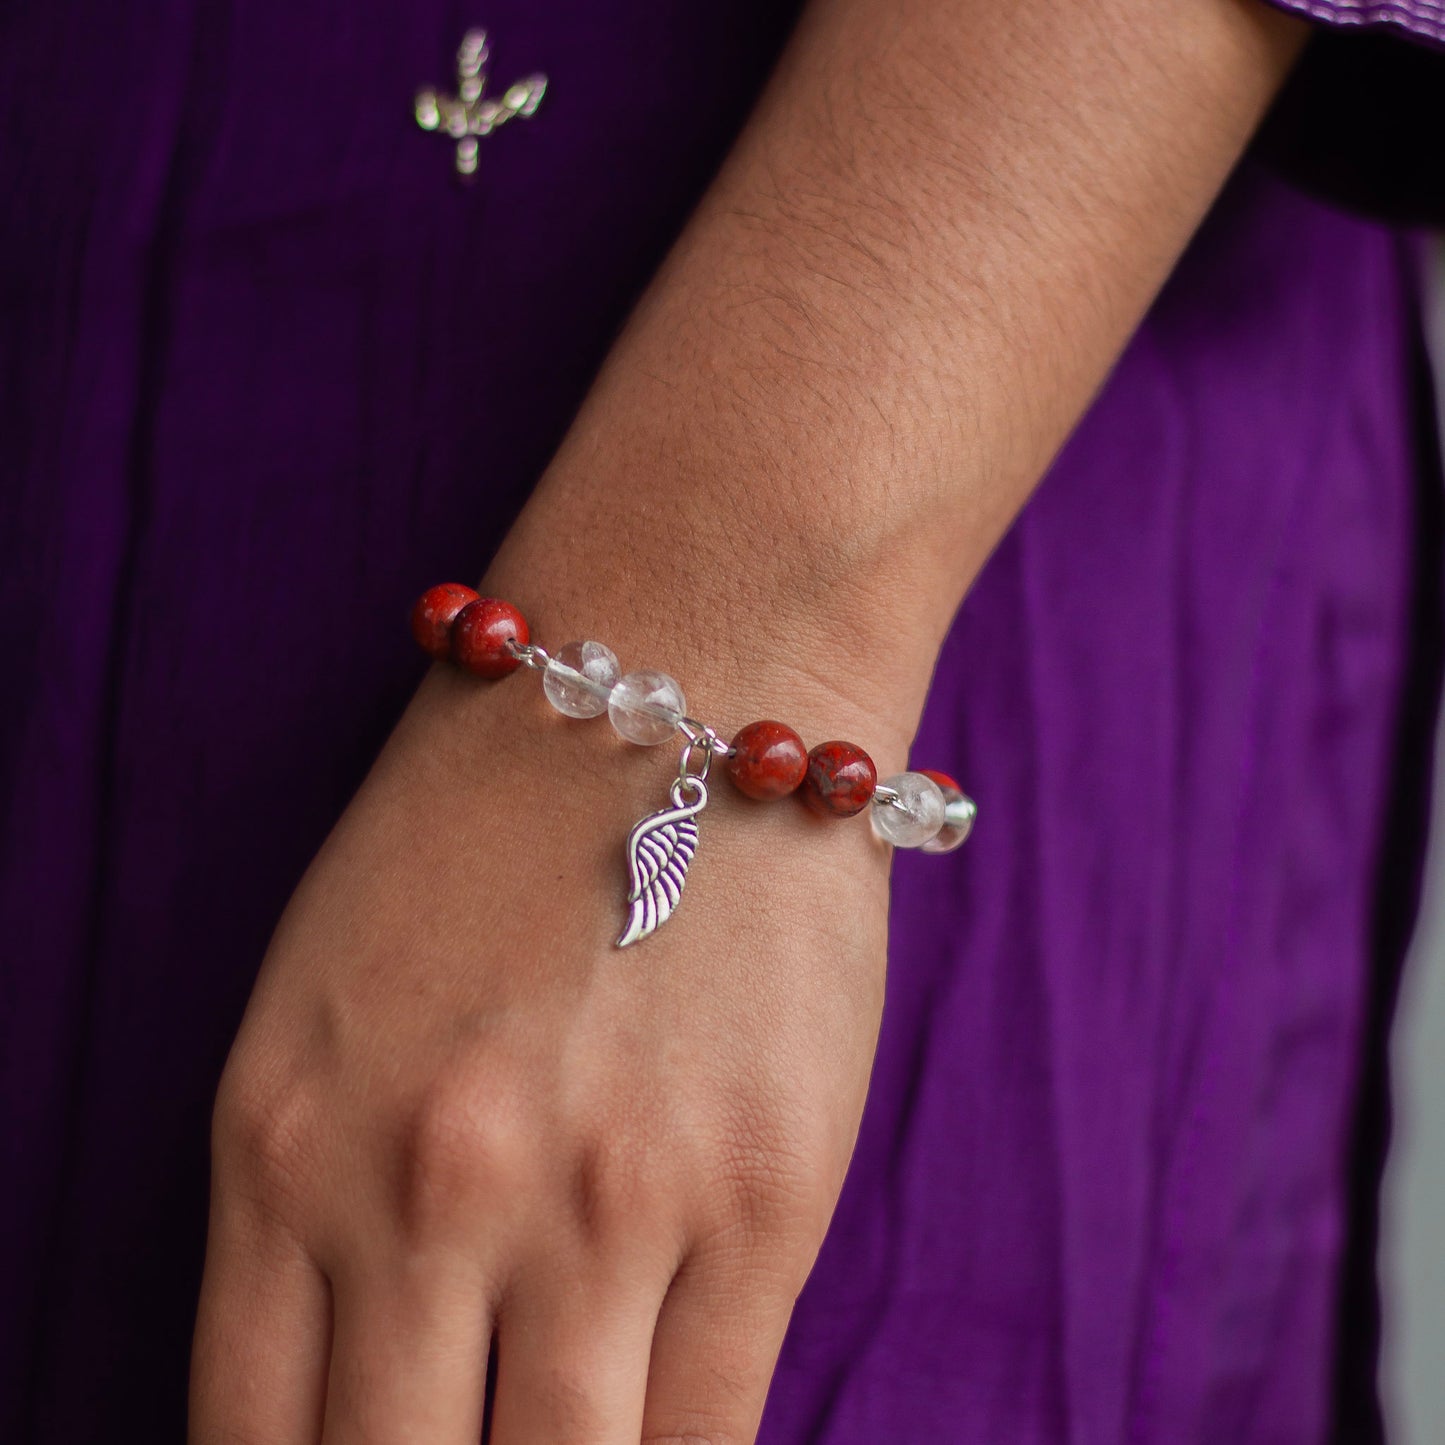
<point x="454" y="1108"/>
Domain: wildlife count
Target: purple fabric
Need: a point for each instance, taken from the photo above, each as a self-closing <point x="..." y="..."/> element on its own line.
<point x="1417" y="19"/>
<point x="1101" y="1189"/>
<point x="1359" y="120"/>
<point x="267" y="370"/>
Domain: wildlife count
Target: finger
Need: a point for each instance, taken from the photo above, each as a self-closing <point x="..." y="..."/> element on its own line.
<point x="408" y="1357"/>
<point x="258" y="1364"/>
<point x="718" y="1337"/>
<point x="572" y="1357"/>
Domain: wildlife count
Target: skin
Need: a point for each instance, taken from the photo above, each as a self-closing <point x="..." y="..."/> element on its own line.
<point x="455" y="1115"/>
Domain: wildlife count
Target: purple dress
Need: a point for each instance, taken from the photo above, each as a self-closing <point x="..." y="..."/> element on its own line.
<point x="267" y="370"/>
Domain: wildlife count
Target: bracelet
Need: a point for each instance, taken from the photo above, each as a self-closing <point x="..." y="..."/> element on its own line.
<point x="765" y="760"/>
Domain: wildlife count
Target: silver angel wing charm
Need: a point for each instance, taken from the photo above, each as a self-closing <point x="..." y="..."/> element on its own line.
<point x="659" y="849"/>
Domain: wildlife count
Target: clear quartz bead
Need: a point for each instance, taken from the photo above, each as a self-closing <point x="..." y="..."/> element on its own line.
<point x="646" y="707"/>
<point x="959" y="811"/>
<point x="580" y="677"/>
<point x="909" y="815"/>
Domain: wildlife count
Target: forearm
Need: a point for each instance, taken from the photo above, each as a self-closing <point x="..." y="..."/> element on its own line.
<point x="450" y="1116"/>
<point x="925" y="253"/>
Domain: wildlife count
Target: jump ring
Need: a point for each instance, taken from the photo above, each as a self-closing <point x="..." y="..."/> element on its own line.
<point x="685" y="775"/>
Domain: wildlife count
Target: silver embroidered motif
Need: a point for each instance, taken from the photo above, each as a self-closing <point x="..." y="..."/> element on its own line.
<point x="468" y="114"/>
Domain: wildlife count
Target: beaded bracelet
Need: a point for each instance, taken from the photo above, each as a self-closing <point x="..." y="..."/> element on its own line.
<point x="765" y="760"/>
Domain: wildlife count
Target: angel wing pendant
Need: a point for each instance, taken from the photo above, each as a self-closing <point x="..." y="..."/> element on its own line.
<point x="659" y="849"/>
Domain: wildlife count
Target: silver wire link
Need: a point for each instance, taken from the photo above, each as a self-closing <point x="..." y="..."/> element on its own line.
<point x="704" y="735"/>
<point x="529" y="654"/>
<point x="686" y="778"/>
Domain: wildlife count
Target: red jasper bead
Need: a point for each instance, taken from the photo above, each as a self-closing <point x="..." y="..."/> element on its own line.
<point x="767" y="761"/>
<point x="840" y="781"/>
<point x="480" y="635"/>
<point x="434" y="613"/>
<point x="942" y="779"/>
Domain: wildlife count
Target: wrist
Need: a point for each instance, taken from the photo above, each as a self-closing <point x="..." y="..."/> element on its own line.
<point x="828" y="647"/>
<point x="766" y="760"/>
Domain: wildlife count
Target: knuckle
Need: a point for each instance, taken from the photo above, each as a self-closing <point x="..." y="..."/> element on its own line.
<point x="262" y="1132"/>
<point x="460" y="1147"/>
<point x="771" y="1173"/>
<point x="700" y="1433"/>
<point x="614" y="1186"/>
<point x="212" y="1433"/>
<point x="571" y="1405"/>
